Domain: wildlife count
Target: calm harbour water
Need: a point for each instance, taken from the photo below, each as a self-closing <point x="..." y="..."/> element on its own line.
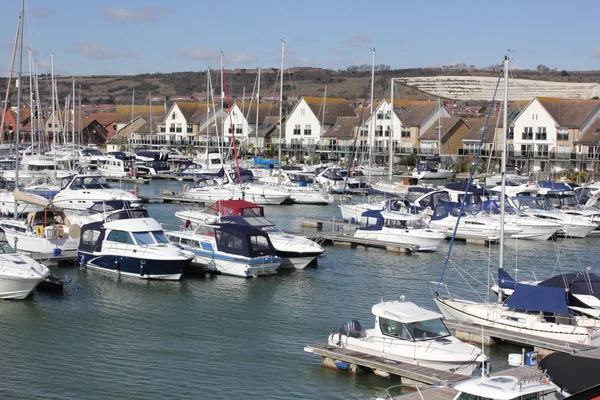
<point x="225" y="337"/>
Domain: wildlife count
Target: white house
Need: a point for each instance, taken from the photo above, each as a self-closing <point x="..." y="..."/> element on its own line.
<point x="242" y="120"/>
<point x="310" y="118"/>
<point x="548" y="127"/>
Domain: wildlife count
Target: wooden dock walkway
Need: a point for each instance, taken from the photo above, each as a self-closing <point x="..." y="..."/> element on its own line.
<point x="543" y="344"/>
<point x="347" y="239"/>
<point x="49" y="258"/>
<point x="338" y="358"/>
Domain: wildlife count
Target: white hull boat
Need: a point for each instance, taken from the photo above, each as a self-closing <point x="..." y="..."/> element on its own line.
<point x="83" y="191"/>
<point x="405" y="332"/>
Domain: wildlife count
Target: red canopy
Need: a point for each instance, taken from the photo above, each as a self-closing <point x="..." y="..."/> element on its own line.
<point x="237" y="207"/>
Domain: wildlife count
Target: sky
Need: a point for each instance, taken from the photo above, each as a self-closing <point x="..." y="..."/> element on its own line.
<point x="109" y="37"/>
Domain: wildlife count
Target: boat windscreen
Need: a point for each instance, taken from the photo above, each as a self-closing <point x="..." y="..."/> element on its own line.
<point x="428" y="329"/>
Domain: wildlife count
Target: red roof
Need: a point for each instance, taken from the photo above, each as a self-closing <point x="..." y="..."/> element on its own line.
<point x="237" y="207"/>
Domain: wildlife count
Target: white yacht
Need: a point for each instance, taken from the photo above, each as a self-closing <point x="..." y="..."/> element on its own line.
<point x="401" y="228"/>
<point x="300" y="187"/>
<point x="405" y="332"/>
<point x="43" y="231"/>
<point x="19" y="274"/>
<point x="226" y="187"/>
<point x="7" y="204"/>
<point x="430" y="169"/>
<point x="131" y="245"/>
<point x="296" y="251"/>
<point x="505" y="387"/>
<point x="336" y="179"/>
<point x="82" y="191"/>
<point x="234" y="250"/>
<point x="116" y="167"/>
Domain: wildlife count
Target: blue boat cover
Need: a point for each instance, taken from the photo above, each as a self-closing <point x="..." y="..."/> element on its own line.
<point x="538" y="298"/>
<point x="555" y="186"/>
<point x="373" y="214"/>
<point x="505" y="281"/>
<point x="464" y="186"/>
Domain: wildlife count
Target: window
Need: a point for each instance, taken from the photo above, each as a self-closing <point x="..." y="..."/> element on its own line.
<point x="379" y="130"/>
<point x="120" y="237"/>
<point x="380" y="115"/>
<point x="388" y="130"/>
<point x="163" y="128"/>
<point x="160" y="237"/>
<point x="307" y="129"/>
<point x="238" y="128"/>
<point x="90" y="237"/>
<point x="189" y="128"/>
<point x="302" y="111"/>
<point x="511" y="132"/>
<point x="527" y="133"/>
<point x="143" y="238"/>
<point x="427" y="330"/>
<point x="542" y="150"/>
<point x="563" y="134"/>
<point x="173" y="116"/>
<point x="297" y="129"/>
<point x="388" y="114"/>
<point x="260" y="244"/>
<point x="393" y="328"/>
<point x="526" y="148"/>
<point x="172" y="128"/>
<point x="405" y="134"/>
<point x="541" y="133"/>
<point x="178" y="127"/>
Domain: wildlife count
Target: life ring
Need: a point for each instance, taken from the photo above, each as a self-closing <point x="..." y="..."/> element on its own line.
<point x="39" y="230"/>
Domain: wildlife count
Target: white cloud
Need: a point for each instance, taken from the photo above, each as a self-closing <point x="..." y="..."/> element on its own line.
<point x="40" y="12"/>
<point x="95" y="51"/>
<point x="359" y="40"/>
<point x="144" y="13"/>
<point x="241" y="58"/>
<point x="198" y="54"/>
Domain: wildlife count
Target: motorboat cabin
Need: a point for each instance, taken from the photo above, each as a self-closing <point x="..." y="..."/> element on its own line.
<point x="235" y="250"/>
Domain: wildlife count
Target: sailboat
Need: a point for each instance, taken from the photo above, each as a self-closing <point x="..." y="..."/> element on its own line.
<point x="539" y="311"/>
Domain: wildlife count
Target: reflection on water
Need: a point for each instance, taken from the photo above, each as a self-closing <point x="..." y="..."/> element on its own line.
<point x="226" y="337"/>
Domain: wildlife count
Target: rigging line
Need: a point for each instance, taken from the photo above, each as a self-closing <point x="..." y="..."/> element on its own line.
<point x="470" y="286"/>
<point x="469" y="181"/>
<point x="351" y="162"/>
<point x="235" y="154"/>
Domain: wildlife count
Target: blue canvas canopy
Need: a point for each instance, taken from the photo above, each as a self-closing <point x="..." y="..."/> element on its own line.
<point x="505" y="281"/>
<point x="554" y="186"/>
<point x="373" y="214"/>
<point x="538" y="298"/>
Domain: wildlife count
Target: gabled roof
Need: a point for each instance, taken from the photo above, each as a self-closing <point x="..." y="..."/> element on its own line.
<point x="269" y="126"/>
<point x="264" y="110"/>
<point x="476" y="126"/>
<point x="343" y="128"/>
<point x="591" y="135"/>
<point x="123" y="113"/>
<point x="334" y="107"/>
<point x="446" y="125"/>
<point x="414" y="112"/>
<point x="568" y="113"/>
<point x="105" y="118"/>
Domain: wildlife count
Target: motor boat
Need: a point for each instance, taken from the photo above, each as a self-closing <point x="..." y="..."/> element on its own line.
<point x="19" y="274"/>
<point x="131" y="245"/>
<point x="7" y="204"/>
<point x="299" y="186"/>
<point x="296" y="251"/>
<point x="430" y="169"/>
<point x="226" y="186"/>
<point x="395" y="227"/>
<point x="83" y="191"/>
<point x="45" y="231"/>
<point x="443" y="214"/>
<point x="564" y="198"/>
<point x="506" y="387"/>
<point x="242" y="251"/>
<point x="102" y="211"/>
<point x="336" y="180"/>
<point x="575" y="375"/>
<point x="407" y="333"/>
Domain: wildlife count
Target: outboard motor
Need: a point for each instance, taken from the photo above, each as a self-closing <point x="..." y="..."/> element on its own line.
<point x="352" y="329"/>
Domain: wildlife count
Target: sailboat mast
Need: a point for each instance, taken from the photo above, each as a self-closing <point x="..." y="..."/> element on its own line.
<point x="31" y="106"/>
<point x="440" y="128"/>
<point x="503" y="170"/>
<point x="281" y="99"/>
<point x="53" y="122"/>
<point x="208" y="104"/>
<point x="19" y="90"/>
<point x="10" y="75"/>
<point x="371" y="131"/>
<point x="73" y="124"/>
<point x="257" y="105"/>
<point x="391" y="139"/>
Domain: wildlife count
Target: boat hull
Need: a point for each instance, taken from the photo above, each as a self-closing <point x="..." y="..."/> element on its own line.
<point x="237" y="266"/>
<point x="17" y="287"/>
<point x="484" y="314"/>
<point x="294" y="261"/>
<point x="135" y="267"/>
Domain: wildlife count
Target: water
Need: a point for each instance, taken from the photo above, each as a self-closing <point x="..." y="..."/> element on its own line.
<point x="224" y="337"/>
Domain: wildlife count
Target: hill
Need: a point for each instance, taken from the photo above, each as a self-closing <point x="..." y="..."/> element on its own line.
<point x="352" y="85"/>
